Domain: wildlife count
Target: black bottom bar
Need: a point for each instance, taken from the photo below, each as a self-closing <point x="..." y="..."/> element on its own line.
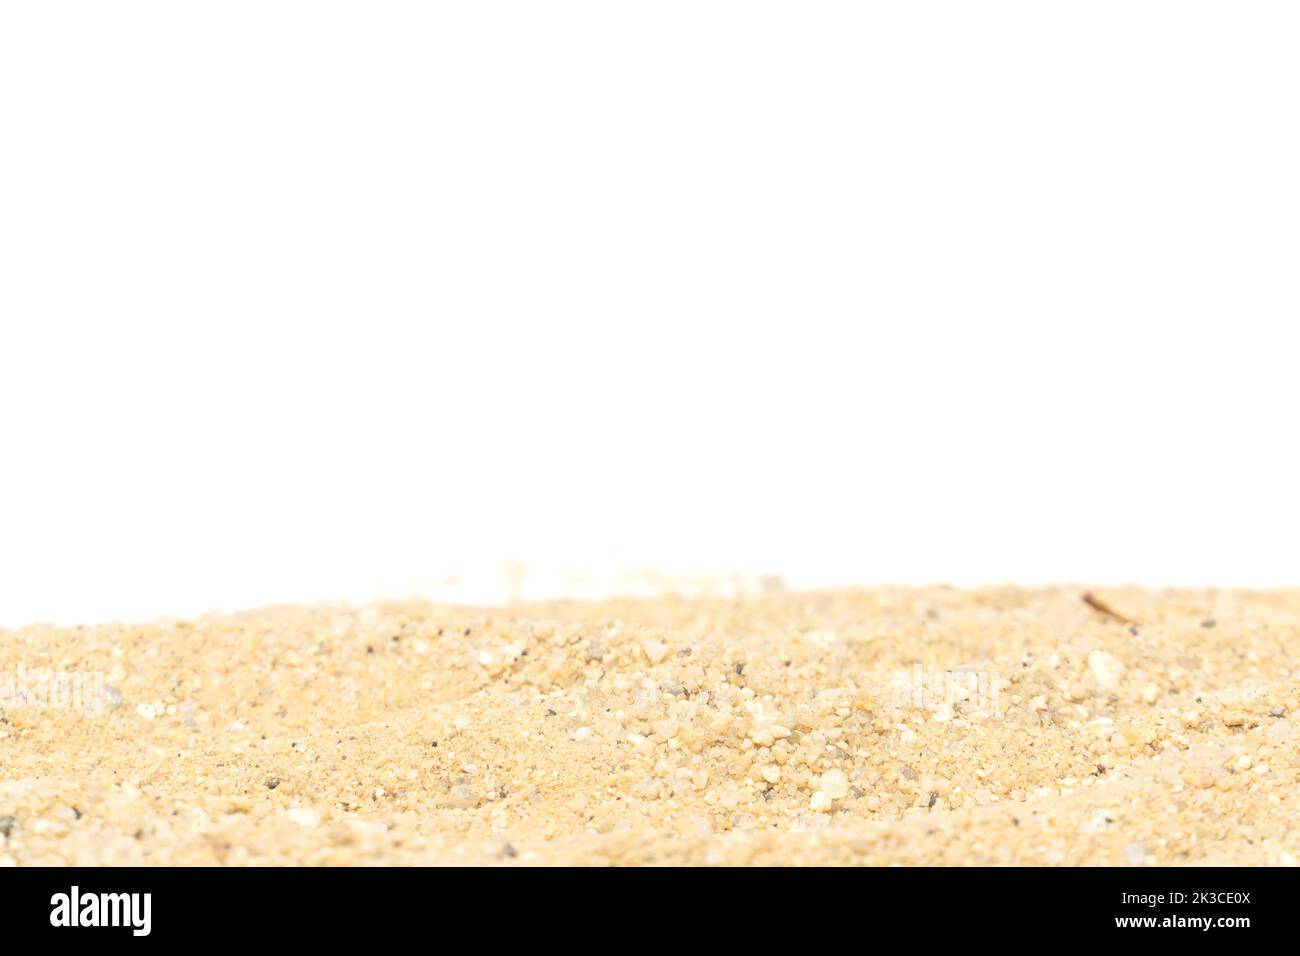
<point x="949" y="906"/>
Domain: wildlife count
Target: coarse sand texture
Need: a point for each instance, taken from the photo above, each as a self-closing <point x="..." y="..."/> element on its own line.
<point x="888" y="726"/>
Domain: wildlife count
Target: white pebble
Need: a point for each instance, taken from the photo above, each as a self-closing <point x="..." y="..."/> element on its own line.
<point x="834" y="784"/>
<point x="1106" y="668"/>
<point x="655" y="651"/>
<point x="304" y="817"/>
<point x="463" y="796"/>
<point x="666" y="728"/>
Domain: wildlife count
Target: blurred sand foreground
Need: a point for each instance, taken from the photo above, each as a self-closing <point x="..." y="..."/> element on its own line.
<point x="913" y="726"/>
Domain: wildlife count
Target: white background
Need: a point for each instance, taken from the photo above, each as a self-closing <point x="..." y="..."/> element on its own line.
<point x="320" y="300"/>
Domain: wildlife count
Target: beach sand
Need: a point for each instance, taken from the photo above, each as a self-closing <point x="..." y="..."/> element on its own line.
<point x="880" y="726"/>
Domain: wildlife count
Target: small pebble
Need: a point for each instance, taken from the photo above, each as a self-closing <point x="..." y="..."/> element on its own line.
<point x="1106" y="668"/>
<point x="834" y="784"/>
<point x="655" y="651"/>
<point x="304" y="817"/>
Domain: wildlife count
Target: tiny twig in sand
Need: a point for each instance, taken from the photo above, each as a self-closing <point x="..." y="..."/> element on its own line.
<point x="1097" y="604"/>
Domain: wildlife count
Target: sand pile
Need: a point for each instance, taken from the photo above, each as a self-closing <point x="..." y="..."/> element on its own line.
<point x="921" y="726"/>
